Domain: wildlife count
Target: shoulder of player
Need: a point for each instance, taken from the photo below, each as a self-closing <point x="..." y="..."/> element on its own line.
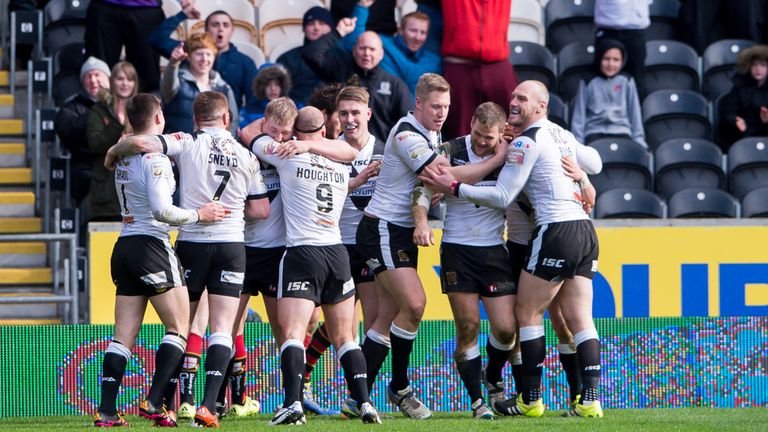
<point x="523" y="142"/>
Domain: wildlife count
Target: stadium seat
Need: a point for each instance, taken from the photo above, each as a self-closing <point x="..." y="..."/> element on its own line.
<point x="252" y="51"/>
<point x="747" y="165"/>
<point x="280" y="21"/>
<point x="629" y="203"/>
<point x="404" y="7"/>
<point x="526" y="22"/>
<point x="574" y="65"/>
<point x="171" y="8"/>
<point x="57" y="10"/>
<point x="670" y="65"/>
<point x="533" y="62"/>
<point x="671" y="114"/>
<point x="664" y="20"/>
<point x="626" y="164"/>
<point x="244" y="31"/>
<point x="282" y="49"/>
<point x="755" y="203"/>
<point x="569" y="21"/>
<point x="683" y="163"/>
<point x="64" y="23"/>
<point x="718" y="62"/>
<point x="242" y="10"/>
<point x="702" y="203"/>
<point x="66" y="71"/>
<point x="557" y="111"/>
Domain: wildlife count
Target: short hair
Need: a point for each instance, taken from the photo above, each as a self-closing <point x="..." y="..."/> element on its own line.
<point x="271" y="73"/>
<point x="490" y="115"/>
<point x="353" y="93"/>
<point x="140" y="109"/>
<point x="281" y="111"/>
<point x="417" y="15"/>
<point x="324" y="98"/>
<point x="214" y="13"/>
<point x="431" y="82"/>
<point x="210" y="105"/>
<point x="199" y="41"/>
<point x="129" y="71"/>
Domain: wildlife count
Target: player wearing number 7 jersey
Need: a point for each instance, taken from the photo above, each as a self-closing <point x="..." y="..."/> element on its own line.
<point x="213" y="166"/>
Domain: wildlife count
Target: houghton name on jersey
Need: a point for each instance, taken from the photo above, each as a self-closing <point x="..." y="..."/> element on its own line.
<point x="214" y="167"/>
<point x="467" y="223"/>
<point x="410" y="147"/>
<point x="359" y="198"/>
<point x="145" y="185"/>
<point x="308" y="182"/>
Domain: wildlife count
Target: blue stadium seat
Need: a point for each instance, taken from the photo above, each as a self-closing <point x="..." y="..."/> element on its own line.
<point x="629" y="203"/>
<point x="664" y="20"/>
<point x="670" y="65"/>
<point x="683" y="163"/>
<point x="557" y="111"/>
<point x="671" y="114"/>
<point x="569" y="21"/>
<point x="626" y="164"/>
<point x="718" y="61"/>
<point x="755" y="203"/>
<point x="574" y="64"/>
<point x="747" y="165"/>
<point x="702" y="203"/>
<point x="533" y="62"/>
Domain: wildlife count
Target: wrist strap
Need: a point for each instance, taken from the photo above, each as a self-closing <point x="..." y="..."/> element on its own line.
<point x="455" y="188"/>
<point x="584" y="182"/>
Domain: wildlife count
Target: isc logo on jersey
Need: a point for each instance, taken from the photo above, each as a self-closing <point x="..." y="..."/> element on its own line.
<point x="298" y="286"/>
<point x="552" y="262"/>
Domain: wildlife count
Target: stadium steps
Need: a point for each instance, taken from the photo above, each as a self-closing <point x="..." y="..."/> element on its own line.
<point x="22" y="254"/>
<point x="29" y="321"/>
<point x="12" y="154"/>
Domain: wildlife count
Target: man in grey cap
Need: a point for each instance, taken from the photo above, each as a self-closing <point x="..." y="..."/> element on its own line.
<point x="71" y="123"/>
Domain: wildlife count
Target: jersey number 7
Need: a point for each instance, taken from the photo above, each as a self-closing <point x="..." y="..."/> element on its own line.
<point x="225" y="175"/>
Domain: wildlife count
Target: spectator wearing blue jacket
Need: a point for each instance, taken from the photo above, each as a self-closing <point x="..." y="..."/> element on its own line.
<point x="404" y="53"/>
<point x="237" y="69"/>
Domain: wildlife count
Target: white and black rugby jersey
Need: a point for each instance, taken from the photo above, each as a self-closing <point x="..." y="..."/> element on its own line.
<point x="410" y="147"/>
<point x="534" y="165"/>
<point x="214" y="167"/>
<point x="467" y="223"/>
<point x="145" y="186"/>
<point x="313" y="189"/>
<point x="359" y="198"/>
<point x="520" y="220"/>
<point x="269" y="232"/>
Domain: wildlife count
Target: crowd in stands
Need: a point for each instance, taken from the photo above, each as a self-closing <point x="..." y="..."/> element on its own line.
<point x="369" y="43"/>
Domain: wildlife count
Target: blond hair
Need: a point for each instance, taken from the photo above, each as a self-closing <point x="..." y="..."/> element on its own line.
<point x="281" y="111"/>
<point x="353" y="93"/>
<point x="431" y="82"/>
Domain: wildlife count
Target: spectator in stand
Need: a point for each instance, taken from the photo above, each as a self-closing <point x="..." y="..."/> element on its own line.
<point x="110" y="24"/>
<point x="324" y="99"/>
<point x="272" y="82"/>
<point x="475" y="59"/>
<point x="317" y="22"/>
<point x="71" y="124"/>
<point x="608" y="106"/>
<point x="625" y="22"/>
<point x="182" y="82"/>
<point x="236" y="68"/>
<point x="744" y="110"/>
<point x="106" y="124"/>
<point x="390" y="98"/>
<point x="404" y="54"/>
<point x="382" y="15"/>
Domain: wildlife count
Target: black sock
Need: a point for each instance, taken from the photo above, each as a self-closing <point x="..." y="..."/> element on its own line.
<point x="588" y="353"/>
<point x="216" y="361"/>
<point x="167" y="358"/>
<point x="469" y="372"/>
<point x="375" y="353"/>
<point x="113" y="369"/>
<point x="533" y="352"/>
<point x="497" y="359"/>
<point x="237" y="381"/>
<point x="292" y="366"/>
<point x="517" y="376"/>
<point x="353" y="362"/>
<point x="570" y="364"/>
<point x="221" y="399"/>
<point x="401" y="357"/>
<point x="170" y="390"/>
<point x="189" y="368"/>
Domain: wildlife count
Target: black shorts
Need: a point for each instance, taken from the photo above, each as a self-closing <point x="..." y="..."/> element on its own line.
<point x="262" y="270"/>
<point x="518" y="257"/>
<point x="563" y="250"/>
<point x="219" y="267"/>
<point x="357" y="265"/>
<point x="145" y="265"/>
<point x="386" y="246"/>
<point x="482" y="270"/>
<point x="317" y="273"/>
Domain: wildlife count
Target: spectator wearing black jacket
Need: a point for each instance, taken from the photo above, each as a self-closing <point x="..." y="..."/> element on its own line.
<point x="390" y="99"/>
<point x="744" y="110"/>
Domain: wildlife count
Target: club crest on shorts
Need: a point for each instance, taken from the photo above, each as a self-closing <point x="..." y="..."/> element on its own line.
<point x="402" y="256"/>
<point x="451" y="278"/>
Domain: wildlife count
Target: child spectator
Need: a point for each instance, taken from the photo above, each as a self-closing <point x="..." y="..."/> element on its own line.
<point x="744" y="110"/>
<point x="608" y="106"/>
<point x="272" y="82"/>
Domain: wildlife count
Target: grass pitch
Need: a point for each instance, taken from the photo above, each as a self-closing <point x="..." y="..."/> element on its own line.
<point x="684" y="419"/>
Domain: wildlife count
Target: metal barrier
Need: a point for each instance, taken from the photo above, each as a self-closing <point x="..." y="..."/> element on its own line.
<point x="26" y="28"/>
<point x="65" y="292"/>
